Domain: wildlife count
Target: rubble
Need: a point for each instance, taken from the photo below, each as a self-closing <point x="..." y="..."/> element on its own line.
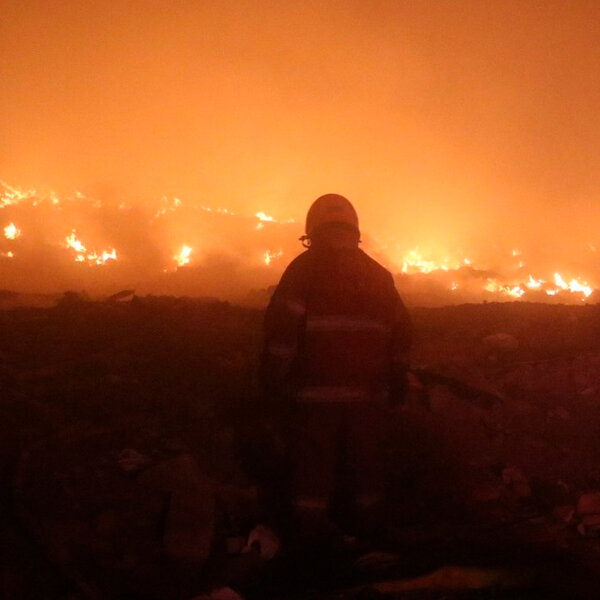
<point x="121" y="296"/>
<point x="190" y="518"/>
<point x="130" y="460"/>
<point x="588" y="511"/>
<point x="122" y="417"/>
<point x="516" y="482"/>
<point x="263" y="540"/>
<point x="501" y="342"/>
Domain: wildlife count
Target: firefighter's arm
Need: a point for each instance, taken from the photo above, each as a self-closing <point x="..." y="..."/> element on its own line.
<point x="283" y="324"/>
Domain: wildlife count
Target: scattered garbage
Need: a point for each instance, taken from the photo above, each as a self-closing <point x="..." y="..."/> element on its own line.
<point x="223" y="593"/>
<point x="263" y="540"/>
<point x="501" y="342"/>
<point x="564" y="514"/>
<point x="588" y="510"/>
<point x="132" y="461"/>
<point x="190" y="519"/>
<point x="516" y="482"/>
<point x="456" y="578"/>
<point x="509" y="437"/>
<point x="122" y="295"/>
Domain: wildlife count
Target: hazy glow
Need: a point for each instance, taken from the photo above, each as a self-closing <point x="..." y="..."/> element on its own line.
<point x="224" y="244"/>
<point x="459" y="128"/>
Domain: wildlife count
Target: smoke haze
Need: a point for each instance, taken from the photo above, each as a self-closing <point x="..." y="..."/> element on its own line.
<point x="456" y="126"/>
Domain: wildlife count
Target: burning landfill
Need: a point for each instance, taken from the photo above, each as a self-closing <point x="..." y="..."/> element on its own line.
<point x="185" y="248"/>
<point x="140" y="457"/>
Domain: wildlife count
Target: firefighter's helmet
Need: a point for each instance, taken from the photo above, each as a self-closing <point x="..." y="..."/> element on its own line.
<point x="330" y="208"/>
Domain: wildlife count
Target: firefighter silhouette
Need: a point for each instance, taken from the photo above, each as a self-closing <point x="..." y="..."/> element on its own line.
<point x="337" y="337"/>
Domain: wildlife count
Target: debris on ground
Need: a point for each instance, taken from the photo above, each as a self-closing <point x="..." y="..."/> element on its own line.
<point x="124" y="470"/>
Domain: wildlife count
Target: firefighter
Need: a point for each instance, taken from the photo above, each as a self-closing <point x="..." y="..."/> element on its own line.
<point x="337" y="338"/>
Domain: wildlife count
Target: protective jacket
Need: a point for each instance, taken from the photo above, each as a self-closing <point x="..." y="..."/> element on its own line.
<point x="336" y="329"/>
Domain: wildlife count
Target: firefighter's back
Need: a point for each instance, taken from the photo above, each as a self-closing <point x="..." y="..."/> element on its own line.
<point x="350" y="304"/>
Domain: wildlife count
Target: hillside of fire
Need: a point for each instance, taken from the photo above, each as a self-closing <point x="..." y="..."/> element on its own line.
<point x="170" y="246"/>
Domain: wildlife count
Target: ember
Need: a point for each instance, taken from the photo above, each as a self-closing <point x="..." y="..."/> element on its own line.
<point x="269" y="256"/>
<point x="12" y="232"/>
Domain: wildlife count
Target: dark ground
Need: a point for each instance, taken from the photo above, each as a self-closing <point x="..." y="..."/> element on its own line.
<point x="489" y="462"/>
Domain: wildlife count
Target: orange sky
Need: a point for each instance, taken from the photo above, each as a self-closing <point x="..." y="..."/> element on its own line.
<point x="440" y="119"/>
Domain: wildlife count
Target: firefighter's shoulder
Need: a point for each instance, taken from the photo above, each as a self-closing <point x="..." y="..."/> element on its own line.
<point x="376" y="269"/>
<point x="299" y="266"/>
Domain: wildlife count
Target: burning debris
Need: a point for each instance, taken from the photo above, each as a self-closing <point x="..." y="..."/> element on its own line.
<point x="127" y="244"/>
<point x="82" y="255"/>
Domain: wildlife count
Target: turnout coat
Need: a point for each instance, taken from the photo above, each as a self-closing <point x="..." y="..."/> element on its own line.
<point x="336" y="329"/>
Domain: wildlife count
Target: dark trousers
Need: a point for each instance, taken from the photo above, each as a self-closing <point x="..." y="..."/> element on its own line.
<point x="338" y="457"/>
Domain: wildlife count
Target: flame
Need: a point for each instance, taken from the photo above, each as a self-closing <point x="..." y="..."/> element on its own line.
<point x="82" y="255"/>
<point x="11" y="196"/>
<point x="514" y="291"/>
<point x="221" y="211"/>
<point x="74" y="243"/>
<point x="413" y="262"/>
<point x="8" y="254"/>
<point x="183" y="256"/>
<point x="269" y="256"/>
<point x="12" y="232"/>
<point x="534" y="284"/>
<point x="169" y="206"/>
<point x="261" y="216"/>
<point x="574" y="286"/>
<point x="265" y="218"/>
